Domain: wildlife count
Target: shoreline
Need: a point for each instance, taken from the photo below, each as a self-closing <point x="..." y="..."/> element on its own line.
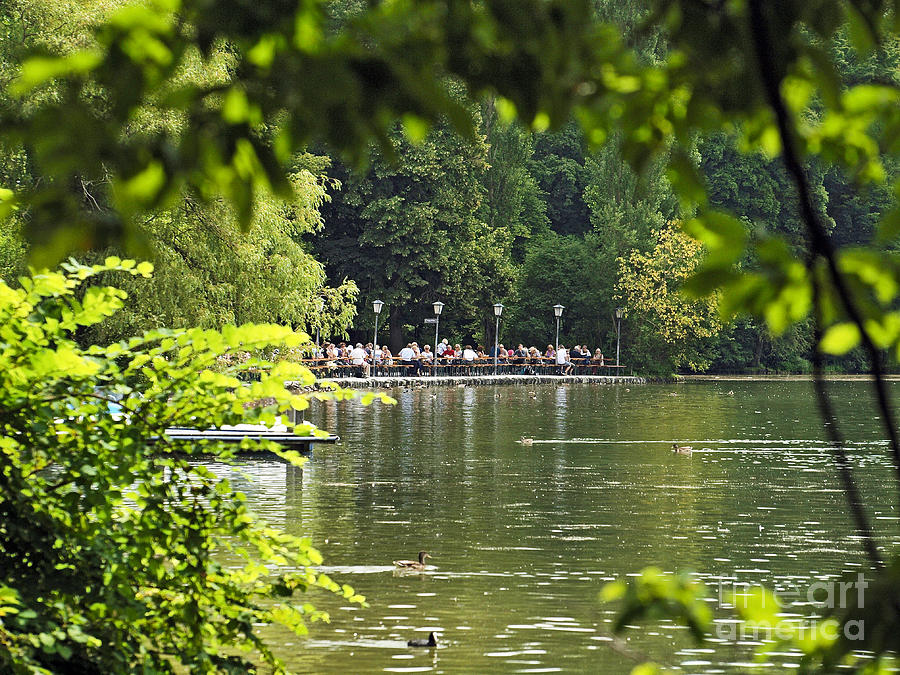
<point x="476" y="380"/>
<point x="781" y="378"/>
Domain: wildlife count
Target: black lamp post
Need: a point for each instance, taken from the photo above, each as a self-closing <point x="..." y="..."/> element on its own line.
<point x="320" y="307"/>
<point x="498" y="310"/>
<point x="376" y="307"/>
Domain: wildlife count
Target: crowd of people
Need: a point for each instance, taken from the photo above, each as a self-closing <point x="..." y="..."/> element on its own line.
<point x="416" y="361"/>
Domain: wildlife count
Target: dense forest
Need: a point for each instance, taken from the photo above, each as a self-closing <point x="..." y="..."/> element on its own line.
<point x="529" y="217"/>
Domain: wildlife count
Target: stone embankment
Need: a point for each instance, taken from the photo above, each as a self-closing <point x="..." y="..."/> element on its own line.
<point x="479" y="380"/>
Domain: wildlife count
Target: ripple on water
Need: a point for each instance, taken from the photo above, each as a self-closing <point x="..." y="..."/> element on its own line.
<point x="598" y="499"/>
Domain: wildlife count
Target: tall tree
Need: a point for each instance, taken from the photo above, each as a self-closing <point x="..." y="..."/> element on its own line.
<point x="208" y="271"/>
<point x="513" y="202"/>
<point x="570" y="270"/>
<point x="406" y="231"/>
<point x="666" y="330"/>
<point x="558" y="166"/>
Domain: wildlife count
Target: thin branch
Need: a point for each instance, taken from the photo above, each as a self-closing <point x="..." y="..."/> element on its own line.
<point x="823" y="247"/>
<point x="835" y="438"/>
<point x="819" y="239"/>
<point x="88" y="196"/>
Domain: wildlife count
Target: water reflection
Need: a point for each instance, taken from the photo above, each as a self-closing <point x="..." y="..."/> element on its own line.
<point x="523" y="537"/>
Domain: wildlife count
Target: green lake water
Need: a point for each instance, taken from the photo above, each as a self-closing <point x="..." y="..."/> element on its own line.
<point x="524" y="537"/>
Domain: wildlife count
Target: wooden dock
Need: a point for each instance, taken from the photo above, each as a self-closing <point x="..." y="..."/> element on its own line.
<point x="283" y="436"/>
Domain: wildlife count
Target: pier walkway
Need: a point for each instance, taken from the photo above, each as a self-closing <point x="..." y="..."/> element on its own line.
<point x="480" y="380"/>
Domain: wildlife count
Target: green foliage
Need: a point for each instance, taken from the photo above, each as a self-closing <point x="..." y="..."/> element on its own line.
<point x="513" y="203"/>
<point x="861" y="620"/>
<point x="117" y="550"/>
<point x="654" y="595"/>
<point x="668" y="331"/>
<point x="568" y="270"/>
<point x="209" y="273"/>
<point x="558" y="166"/>
<point x="409" y="233"/>
<point x="293" y="76"/>
<point x="798" y="100"/>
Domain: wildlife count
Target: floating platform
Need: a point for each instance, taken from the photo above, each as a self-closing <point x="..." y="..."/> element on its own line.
<point x="256" y="432"/>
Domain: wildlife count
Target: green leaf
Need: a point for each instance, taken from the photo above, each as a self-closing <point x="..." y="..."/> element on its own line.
<point x="724" y="235"/>
<point x="840" y="339"/>
<point x="415" y="128"/>
<point x="860" y="32"/>
<point x="39" y="70"/>
<point x="688" y="183"/>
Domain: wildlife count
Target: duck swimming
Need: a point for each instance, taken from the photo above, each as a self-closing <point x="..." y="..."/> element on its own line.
<point x="412" y="564"/>
<point x="682" y="449"/>
<point x="430" y="642"/>
<point x="526" y="441"/>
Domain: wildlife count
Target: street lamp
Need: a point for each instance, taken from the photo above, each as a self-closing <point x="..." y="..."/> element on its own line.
<point x="498" y="310"/>
<point x="376" y="307"/>
<point x="438" y="308"/>
<point x="557" y="310"/>
<point x="320" y="307"/>
<point x="619" y="312"/>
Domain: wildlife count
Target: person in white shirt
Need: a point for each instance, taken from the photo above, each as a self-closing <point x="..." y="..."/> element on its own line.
<point x="469" y="354"/>
<point x="408" y="356"/>
<point x="562" y="360"/>
<point x="358" y="359"/>
<point x="442" y="347"/>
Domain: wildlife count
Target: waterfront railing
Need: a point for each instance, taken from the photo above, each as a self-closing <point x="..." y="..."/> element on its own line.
<point x="337" y="368"/>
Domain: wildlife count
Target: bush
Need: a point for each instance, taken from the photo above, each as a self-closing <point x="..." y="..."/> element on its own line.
<point x="112" y="536"/>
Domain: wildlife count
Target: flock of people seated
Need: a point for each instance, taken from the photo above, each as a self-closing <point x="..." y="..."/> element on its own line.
<point x="415" y="361"/>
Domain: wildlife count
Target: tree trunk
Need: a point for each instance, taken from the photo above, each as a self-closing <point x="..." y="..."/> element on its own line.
<point x="396" y="340"/>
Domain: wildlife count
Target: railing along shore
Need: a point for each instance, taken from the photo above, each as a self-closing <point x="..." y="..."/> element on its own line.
<point x="339" y="368"/>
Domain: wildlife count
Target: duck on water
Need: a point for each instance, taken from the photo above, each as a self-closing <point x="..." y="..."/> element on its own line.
<point x="413" y="564"/>
<point x="682" y="449"/>
<point x="430" y="642"/>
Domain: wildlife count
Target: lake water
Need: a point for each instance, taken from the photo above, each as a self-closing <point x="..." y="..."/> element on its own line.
<point x="524" y="537"/>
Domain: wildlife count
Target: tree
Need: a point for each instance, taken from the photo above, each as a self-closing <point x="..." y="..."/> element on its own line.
<point x="407" y="231"/>
<point x="208" y="272"/>
<point x="290" y="78"/>
<point x="567" y="270"/>
<point x="111" y="538"/>
<point x="558" y="166"/>
<point x="513" y="203"/>
<point x="667" y="331"/>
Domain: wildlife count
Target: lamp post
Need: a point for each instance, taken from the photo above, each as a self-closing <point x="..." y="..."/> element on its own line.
<point x="498" y="310"/>
<point x="376" y="307"/>
<point x="557" y="310"/>
<point x="438" y="308"/>
<point x="320" y="307"/>
<point x="619" y="312"/>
